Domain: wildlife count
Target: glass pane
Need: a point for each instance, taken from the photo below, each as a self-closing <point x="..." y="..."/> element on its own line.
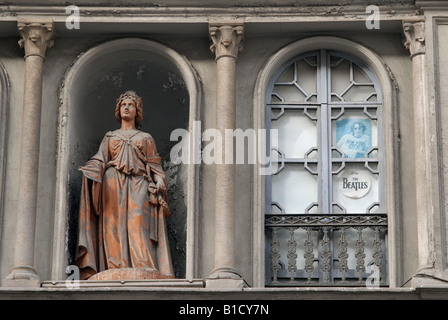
<point x="276" y="98"/>
<point x="340" y="77"/>
<point x="359" y="93"/>
<point x="349" y="83"/>
<point x="296" y="134"/>
<point x="359" y="76"/>
<point x="294" y="188"/>
<point x="355" y="188"/>
<point x="288" y="76"/>
<point x="298" y="83"/>
<point x="289" y="93"/>
<point x="355" y="135"/>
<point x="307" y="77"/>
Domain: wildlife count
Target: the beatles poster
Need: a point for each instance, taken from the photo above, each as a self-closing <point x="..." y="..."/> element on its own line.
<point x="354" y="137"/>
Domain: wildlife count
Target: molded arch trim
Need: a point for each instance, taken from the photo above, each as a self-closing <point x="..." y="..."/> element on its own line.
<point x="4" y="105"/>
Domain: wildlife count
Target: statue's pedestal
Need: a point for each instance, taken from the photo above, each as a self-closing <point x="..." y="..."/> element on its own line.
<point x="130" y="274"/>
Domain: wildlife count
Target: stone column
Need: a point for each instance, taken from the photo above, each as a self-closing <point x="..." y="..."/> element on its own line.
<point x="414" y="31"/>
<point x="36" y="38"/>
<point x="227" y="43"/>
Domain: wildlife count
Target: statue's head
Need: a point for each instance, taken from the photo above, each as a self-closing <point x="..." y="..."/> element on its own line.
<point x="138" y="105"/>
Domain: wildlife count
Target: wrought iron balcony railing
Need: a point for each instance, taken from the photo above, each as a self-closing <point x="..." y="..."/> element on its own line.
<point x="326" y="249"/>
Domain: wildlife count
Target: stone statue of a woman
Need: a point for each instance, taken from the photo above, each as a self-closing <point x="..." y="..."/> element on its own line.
<point x="124" y="203"/>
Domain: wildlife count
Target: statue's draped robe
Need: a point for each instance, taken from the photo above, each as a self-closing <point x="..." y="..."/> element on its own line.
<point x="122" y="218"/>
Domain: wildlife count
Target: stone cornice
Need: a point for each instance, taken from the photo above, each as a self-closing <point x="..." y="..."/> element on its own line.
<point x="432" y="4"/>
<point x="355" y="11"/>
<point x="93" y="19"/>
<point x="208" y="3"/>
<point x="37" y="37"/>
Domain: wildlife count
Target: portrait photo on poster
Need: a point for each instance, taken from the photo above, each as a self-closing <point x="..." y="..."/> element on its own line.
<point x="354" y="137"/>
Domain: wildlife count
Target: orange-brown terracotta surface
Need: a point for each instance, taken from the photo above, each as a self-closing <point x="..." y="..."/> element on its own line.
<point x="124" y="200"/>
<point x="130" y="274"/>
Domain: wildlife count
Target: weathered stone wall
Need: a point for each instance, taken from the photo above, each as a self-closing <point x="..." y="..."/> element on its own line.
<point x="260" y="43"/>
<point x="251" y="60"/>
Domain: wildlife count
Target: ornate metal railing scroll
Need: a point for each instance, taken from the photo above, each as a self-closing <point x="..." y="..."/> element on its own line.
<point x="326" y="250"/>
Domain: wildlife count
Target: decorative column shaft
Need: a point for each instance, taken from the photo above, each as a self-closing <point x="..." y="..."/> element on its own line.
<point x="415" y="43"/>
<point x="227" y="43"/>
<point x="36" y="38"/>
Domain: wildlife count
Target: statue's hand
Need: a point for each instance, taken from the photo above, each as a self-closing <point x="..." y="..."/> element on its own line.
<point x="152" y="188"/>
<point x="152" y="193"/>
<point x="161" y="187"/>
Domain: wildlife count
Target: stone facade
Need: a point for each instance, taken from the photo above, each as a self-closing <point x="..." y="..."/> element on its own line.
<point x="208" y="66"/>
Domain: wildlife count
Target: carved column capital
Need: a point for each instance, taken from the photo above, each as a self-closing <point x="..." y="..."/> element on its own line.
<point x="36" y="37"/>
<point x="227" y="40"/>
<point x="414" y="32"/>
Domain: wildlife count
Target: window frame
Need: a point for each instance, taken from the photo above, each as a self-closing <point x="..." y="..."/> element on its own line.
<point x="391" y="145"/>
<point x="324" y="106"/>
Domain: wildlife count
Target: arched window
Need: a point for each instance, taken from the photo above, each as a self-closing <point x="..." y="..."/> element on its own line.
<point x="325" y="202"/>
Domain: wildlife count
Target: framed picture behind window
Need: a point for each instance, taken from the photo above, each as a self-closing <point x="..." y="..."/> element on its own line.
<point x="354" y="137"/>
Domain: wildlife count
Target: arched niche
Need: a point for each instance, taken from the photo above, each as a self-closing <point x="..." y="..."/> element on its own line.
<point x="171" y="100"/>
<point x="389" y="88"/>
